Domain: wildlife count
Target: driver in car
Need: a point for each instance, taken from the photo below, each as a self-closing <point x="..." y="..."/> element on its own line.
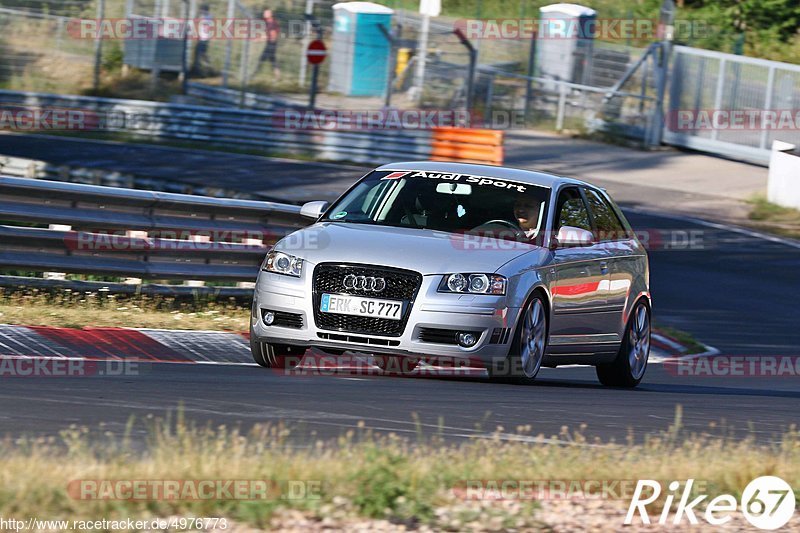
<point x="528" y="212"/>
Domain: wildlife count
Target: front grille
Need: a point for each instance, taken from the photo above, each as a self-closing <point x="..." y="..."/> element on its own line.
<point x="353" y="338"/>
<point x="400" y="285"/>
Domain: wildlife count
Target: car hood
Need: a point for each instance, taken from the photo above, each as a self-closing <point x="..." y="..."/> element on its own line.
<point x="424" y="251"/>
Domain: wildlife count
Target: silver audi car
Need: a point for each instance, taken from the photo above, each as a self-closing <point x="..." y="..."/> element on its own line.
<point x="423" y="261"/>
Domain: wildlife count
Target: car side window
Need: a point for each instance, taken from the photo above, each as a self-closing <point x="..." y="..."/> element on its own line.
<point x="571" y="210"/>
<point x="609" y="228"/>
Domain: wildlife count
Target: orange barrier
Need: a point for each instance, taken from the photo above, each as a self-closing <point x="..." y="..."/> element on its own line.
<point x="467" y="145"/>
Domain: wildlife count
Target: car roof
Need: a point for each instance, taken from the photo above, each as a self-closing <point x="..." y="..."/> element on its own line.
<point x="534" y="177"/>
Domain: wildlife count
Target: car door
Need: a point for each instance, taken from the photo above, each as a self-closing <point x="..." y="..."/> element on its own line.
<point x="580" y="290"/>
<point x="623" y="255"/>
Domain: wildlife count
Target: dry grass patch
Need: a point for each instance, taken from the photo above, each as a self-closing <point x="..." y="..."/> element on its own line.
<point x="78" y="309"/>
<point x="363" y="474"/>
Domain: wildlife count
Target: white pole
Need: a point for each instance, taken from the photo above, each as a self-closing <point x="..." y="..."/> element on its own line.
<point x="228" y="46"/>
<point x="422" y="50"/>
<point x="562" y="106"/>
<point x="306" y="41"/>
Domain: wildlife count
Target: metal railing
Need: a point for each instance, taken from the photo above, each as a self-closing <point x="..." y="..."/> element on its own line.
<point x="274" y="131"/>
<point x="22" y="167"/>
<point x="705" y="85"/>
<point x="133" y="233"/>
<point x="217" y="95"/>
<point x="565" y="105"/>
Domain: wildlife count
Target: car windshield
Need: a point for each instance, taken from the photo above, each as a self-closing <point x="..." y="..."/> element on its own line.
<point x="455" y="203"/>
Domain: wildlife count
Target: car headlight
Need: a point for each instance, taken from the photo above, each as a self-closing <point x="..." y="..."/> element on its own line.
<point x="474" y="284"/>
<point x="281" y="263"/>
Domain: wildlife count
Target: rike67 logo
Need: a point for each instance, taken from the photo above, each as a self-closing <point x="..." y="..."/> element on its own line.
<point x="768" y="503"/>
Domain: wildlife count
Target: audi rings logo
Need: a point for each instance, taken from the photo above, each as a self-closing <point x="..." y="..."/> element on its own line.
<point x="363" y="283"/>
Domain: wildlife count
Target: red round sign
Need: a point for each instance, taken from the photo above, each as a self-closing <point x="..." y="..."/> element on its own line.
<point x="316" y="52"/>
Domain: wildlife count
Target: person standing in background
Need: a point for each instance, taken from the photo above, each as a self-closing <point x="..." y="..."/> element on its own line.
<point x="270" y="53"/>
<point x="201" y="64"/>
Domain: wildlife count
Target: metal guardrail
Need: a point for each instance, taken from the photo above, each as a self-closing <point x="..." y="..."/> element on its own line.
<point x="134" y="233"/>
<point x="21" y="167"/>
<point x="214" y="95"/>
<point x="12" y="284"/>
<point x="242" y="128"/>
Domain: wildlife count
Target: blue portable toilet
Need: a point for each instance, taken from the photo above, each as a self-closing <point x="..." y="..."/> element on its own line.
<point x="360" y="52"/>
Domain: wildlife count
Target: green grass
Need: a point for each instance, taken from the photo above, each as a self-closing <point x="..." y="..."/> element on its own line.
<point x="362" y="474"/>
<point x="684" y="338"/>
<point x="774" y="218"/>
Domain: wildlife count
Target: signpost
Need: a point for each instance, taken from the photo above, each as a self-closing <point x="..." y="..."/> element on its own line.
<point x="315" y="55"/>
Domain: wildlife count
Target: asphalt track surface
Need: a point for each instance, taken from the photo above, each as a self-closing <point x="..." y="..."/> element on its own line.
<point x="734" y="291"/>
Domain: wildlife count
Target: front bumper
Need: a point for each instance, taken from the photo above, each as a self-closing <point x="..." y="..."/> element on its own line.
<point x="484" y="315"/>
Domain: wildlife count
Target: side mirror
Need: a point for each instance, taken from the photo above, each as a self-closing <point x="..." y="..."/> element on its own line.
<point x="313" y="210"/>
<point x="571" y="236"/>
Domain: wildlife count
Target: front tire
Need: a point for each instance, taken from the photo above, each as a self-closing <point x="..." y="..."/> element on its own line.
<point x="628" y="369"/>
<point x="530" y="343"/>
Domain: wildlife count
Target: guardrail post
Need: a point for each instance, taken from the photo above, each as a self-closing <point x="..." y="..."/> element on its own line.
<point x="250" y="241"/>
<point x="134" y="234"/>
<point x="57" y="275"/>
<point x="197" y="282"/>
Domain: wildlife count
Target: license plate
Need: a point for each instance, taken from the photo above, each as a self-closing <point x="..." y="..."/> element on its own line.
<point x="359" y="306"/>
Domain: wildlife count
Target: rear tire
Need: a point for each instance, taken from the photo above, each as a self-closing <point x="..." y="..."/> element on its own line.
<point x="281" y="356"/>
<point x="628" y="369"/>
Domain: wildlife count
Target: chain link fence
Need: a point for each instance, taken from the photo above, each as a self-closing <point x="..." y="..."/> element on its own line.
<point x="36" y="51"/>
<point x="42" y="54"/>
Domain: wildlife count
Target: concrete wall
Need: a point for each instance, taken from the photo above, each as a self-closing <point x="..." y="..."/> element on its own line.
<point x="783" y="187"/>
